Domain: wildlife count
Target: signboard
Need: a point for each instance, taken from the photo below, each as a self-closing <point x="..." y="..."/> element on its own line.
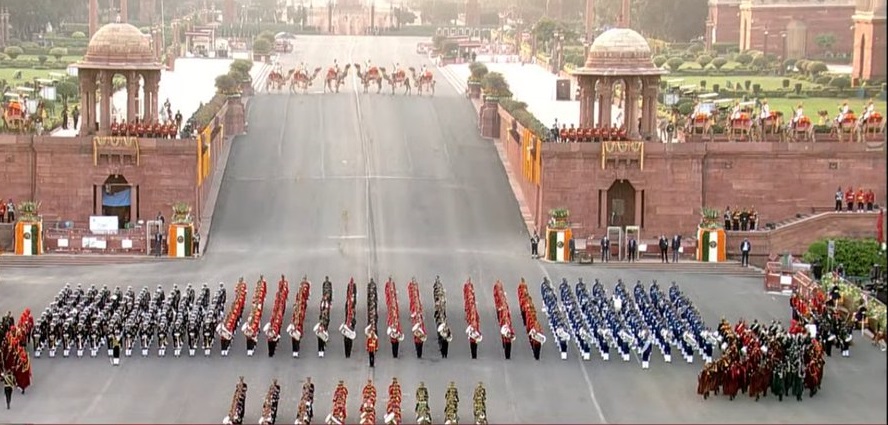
<point x="670" y="99"/>
<point x="831" y="249"/>
<point x="104" y="225"/>
<point x="48" y="93"/>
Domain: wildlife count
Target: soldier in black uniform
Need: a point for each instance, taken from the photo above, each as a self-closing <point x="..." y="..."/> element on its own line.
<point x="115" y="350"/>
<point x="8" y="385"/>
<point x="727" y="217"/>
<point x="534" y="245"/>
<point x="744" y="220"/>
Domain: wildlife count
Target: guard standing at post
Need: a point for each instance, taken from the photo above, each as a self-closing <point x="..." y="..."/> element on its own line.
<point x="115" y="350"/>
<point x="535" y="245"/>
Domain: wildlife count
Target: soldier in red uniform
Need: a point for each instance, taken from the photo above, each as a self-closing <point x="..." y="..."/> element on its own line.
<point x="861" y="200"/>
<point x="115" y="127"/>
<point x="849" y="198"/>
<point x="372" y="346"/>
<point x="572" y="134"/>
<point x="131" y="129"/>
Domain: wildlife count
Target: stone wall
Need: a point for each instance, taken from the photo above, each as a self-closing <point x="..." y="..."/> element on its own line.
<point x="725" y="18"/>
<point x="66" y="175"/>
<point x="817" y="19"/>
<point x="797" y="236"/>
<point x="779" y="179"/>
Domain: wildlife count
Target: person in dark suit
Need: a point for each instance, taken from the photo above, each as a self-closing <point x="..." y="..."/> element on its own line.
<point x="573" y="249"/>
<point x="745" y="247"/>
<point x="605" y="249"/>
<point x="158" y="244"/>
<point x="676" y="246"/>
<point x="534" y="245"/>
<point x="633" y="250"/>
<point x="664" y="248"/>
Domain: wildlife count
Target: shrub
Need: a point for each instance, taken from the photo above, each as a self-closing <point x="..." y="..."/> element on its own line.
<point x="840" y="83"/>
<point x="857" y="255"/>
<point x="696" y="48"/>
<point x="685" y="108"/>
<point x="266" y="35"/>
<point x="659" y="61"/>
<point x="261" y="46"/>
<point x="743" y="58"/>
<point x="756" y="88"/>
<point x="759" y="62"/>
<point x="747" y="84"/>
<point x="519" y="111"/>
<point x="478" y="70"/>
<point x="226" y="84"/>
<point x="239" y="75"/>
<point x="798" y="88"/>
<point x="13" y="52"/>
<point x="704" y="60"/>
<point x="495" y="85"/>
<point x="716" y="88"/>
<point x="242" y="65"/>
<point x="674" y="63"/>
<point x="42" y="59"/>
<point x="789" y="63"/>
<point x="58" y="53"/>
<point x="823" y="80"/>
<point x="817" y="67"/>
<point x="719" y="62"/>
<point x="703" y="84"/>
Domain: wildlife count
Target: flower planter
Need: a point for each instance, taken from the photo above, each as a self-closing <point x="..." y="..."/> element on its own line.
<point x="181" y="240"/>
<point x="474" y="89"/>
<point x="28" y="238"/>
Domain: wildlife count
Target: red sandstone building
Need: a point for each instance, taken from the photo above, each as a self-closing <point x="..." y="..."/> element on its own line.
<point x="662" y="188"/>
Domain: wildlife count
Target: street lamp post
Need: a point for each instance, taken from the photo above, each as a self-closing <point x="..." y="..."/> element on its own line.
<point x="767" y="35"/>
<point x="784" y="55"/>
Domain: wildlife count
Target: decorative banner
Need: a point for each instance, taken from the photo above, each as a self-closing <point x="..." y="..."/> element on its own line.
<point x="558" y="245"/>
<point x="712" y="245"/>
<point x="28" y="236"/>
<point x="180" y="240"/>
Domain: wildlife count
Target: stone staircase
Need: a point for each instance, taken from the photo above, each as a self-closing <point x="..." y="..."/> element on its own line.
<point x="728" y="268"/>
<point x="64" y="260"/>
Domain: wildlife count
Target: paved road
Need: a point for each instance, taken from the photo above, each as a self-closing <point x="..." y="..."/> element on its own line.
<point x="377" y="185"/>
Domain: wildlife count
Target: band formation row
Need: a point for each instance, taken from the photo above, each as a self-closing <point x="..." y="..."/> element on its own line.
<point x="367" y="412"/>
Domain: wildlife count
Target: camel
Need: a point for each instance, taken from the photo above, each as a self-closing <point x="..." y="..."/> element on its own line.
<point x="275" y="81"/>
<point x="846" y="126"/>
<point x="371" y="76"/>
<point x="397" y="79"/>
<point x="802" y="131"/>
<point x="300" y="79"/>
<point x="741" y="127"/>
<point x="772" y="125"/>
<point x="424" y="81"/>
<point x="873" y="125"/>
<point x="335" y="79"/>
<point x="14" y="117"/>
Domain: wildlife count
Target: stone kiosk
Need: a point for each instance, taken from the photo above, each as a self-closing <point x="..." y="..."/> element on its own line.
<point x="96" y="174"/>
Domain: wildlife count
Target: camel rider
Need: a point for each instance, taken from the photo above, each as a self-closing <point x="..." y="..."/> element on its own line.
<point x="765" y="112"/>
<point x="301" y="69"/>
<point x="336" y="66"/>
<point x="735" y="112"/>
<point x="398" y="69"/>
<point x="868" y="111"/>
<point x="367" y="65"/>
<point x="799" y="114"/>
<point x="844" y="110"/>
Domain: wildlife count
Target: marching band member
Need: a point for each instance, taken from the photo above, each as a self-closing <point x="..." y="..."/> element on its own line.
<point x="451" y="405"/>
<point x="416" y="314"/>
<point x="372" y="322"/>
<point x="393" y="407"/>
<point x="443" y="330"/>
<point x="529" y="318"/>
<point x="300" y="307"/>
<point x="348" y="326"/>
<point x="273" y="328"/>
<point x="473" y="321"/>
<point x="323" y="324"/>
<point x="251" y="328"/>
<point x="394" y="318"/>
<point x="368" y="404"/>
<point x="480" y="407"/>
<point x="305" y="411"/>
<point x="504" y="317"/>
<point x="339" y="413"/>
<point x="423" y="412"/>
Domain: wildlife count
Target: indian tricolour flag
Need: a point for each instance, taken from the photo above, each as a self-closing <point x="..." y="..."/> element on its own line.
<point x="27" y="238"/>
<point x="711" y="246"/>
<point x="558" y="244"/>
<point x="180" y="240"/>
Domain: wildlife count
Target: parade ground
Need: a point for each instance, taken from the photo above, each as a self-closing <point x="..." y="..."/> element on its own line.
<point x="377" y="185"/>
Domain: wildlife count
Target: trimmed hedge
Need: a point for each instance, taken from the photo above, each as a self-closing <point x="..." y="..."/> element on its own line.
<point x="519" y="111"/>
<point x="205" y="113"/>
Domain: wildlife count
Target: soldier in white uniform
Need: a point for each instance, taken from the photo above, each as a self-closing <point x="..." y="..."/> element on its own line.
<point x="799" y="113"/>
<point x="868" y="111"/>
<point x="844" y="110"/>
<point x="735" y="112"/>
<point x="765" y="112"/>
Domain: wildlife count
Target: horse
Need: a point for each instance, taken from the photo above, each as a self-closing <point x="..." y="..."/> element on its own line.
<point x="874" y="124"/>
<point x="802" y="131"/>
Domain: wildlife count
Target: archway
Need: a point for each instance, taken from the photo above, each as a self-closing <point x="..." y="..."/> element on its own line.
<point x="621" y="204"/>
<point x="117" y="199"/>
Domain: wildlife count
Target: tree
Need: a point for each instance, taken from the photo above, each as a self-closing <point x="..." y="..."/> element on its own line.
<point x="856" y="255"/>
<point x="42" y="59"/>
<point x="242" y="65"/>
<point x="816" y="68"/>
<point x="704" y="60"/>
<point x="675" y="63"/>
<point x="266" y="35"/>
<point x="225" y="84"/>
<point x="67" y="90"/>
<point x="58" y="53"/>
<point x="77" y="35"/>
<point x="495" y="85"/>
<point x="825" y="41"/>
<point x="261" y="46"/>
<point x="13" y="52"/>
<point x="673" y="20"/>
<point x="478" y="71"/>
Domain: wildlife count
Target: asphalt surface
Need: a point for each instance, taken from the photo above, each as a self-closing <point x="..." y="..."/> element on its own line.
<point x="360" y="185"/>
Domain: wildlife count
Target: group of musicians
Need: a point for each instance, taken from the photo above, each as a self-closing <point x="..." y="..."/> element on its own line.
<point x="598" y="133"/>
<point x="151" y="129"/>
<point x="741" y="219"/>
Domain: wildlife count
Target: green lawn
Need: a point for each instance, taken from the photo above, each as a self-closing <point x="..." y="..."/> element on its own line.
<point x="49" y="59"/>
<point x="768" y="83"/>
<point x="814" y="104"/>
<point x="27" y="74"/>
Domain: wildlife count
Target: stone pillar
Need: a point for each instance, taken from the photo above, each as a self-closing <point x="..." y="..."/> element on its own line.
<point x="589" y="19"/>
<point x="587" y="101"/>
<point x="602" y="201"/>
<point x="649" y="117"/>
<point x="124" y="12"/>
<point x="625" y="13"/>
<point x="93" y="17"/>
<point x="87" y="101"/>
<point x="152" y="81"/>
<point x="132" y="96"/>
<point x="631" y="108"/>
<point x="606" y="102"/>
<point x="105" y="87"/>
<point x="235" y="117"/>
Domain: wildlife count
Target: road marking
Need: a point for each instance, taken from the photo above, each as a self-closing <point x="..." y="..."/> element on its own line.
<point x="589" y="385"/>
<point x="348" y="237"/>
